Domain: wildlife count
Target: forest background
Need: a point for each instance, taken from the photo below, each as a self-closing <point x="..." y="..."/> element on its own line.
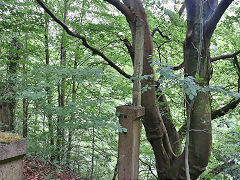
<point x="62" y="96"/>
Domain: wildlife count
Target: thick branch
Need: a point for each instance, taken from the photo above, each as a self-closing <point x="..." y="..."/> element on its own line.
<point x="84" y="41"/>
<point x="224" y="110"/>
<point x="121" y="7"/>
<point x="225" y="56"/>
<point x="160" y="32"/>
<point x="216" y="16"/>
<point x="168" y="121"/>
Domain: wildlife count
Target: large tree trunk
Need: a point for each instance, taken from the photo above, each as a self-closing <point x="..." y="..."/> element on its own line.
<point x="168" y="165"/>
<point x="4" y="117"/>
<point x="200" y="111"/>
<point x="8" y="100"/>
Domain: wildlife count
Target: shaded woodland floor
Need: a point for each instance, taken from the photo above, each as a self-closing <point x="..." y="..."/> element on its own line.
<point x="38" y="170"/>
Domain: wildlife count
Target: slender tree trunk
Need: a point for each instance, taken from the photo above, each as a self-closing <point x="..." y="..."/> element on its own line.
<point x="69" y="147"/>
<point x="36" y="113"/>
<point x="25" y="117"/>
<point x="12" y="69"/>
<point x="61" y="93"/>
<point x="48" y="90"/>
<point x="25" y="107"/>
<point x="25" y="100"/>
<point x="70" y="131"/>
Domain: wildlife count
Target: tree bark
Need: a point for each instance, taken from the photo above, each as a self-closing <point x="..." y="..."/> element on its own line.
<point x="197" y="61"/>
<point x="8" y="102"/>
<point x="168" y="122"/>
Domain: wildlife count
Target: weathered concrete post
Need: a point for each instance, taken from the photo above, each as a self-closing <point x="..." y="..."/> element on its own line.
<point x="129" y="142"/>
<point x="12" y="151"/>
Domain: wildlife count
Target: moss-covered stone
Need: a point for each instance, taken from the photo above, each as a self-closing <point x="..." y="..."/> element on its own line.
<point x="7" y="138"/>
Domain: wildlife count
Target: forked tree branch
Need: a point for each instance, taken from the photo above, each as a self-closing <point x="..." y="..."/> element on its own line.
<point x="236" y="64"/>
<point x="216" y="16"/>
<point x="160" y="32"/>
<point x="224" y="56"/>
<point x="84" y="41"/>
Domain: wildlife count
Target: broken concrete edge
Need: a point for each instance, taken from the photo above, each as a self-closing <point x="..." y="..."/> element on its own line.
<point x="13" y="149"/>
<point x="135" y="111"/>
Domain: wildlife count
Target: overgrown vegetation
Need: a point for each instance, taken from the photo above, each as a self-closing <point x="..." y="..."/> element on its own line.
<point x="62" y="96"/>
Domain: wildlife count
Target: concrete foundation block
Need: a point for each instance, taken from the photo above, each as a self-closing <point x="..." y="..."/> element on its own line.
<point x="11" y="159"/>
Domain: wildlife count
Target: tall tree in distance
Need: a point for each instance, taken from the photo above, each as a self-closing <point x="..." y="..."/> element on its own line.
<point x="48" y="89"/>
<point x="61" y="92"/>
<point x="25" y="101"/>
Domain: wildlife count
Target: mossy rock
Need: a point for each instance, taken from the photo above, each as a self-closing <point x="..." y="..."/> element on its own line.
<point x="7" y="138"/>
